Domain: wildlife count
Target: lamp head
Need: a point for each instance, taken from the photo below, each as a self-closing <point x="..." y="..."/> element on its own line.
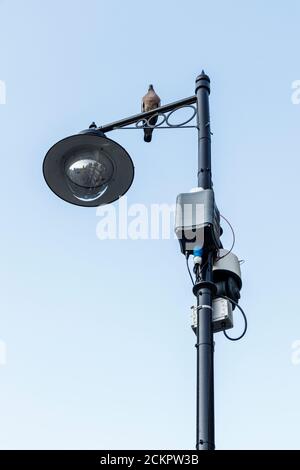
<point x="88" y="169"/>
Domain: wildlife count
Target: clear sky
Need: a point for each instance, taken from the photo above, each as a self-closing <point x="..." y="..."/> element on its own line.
<point x="99" y="350"/>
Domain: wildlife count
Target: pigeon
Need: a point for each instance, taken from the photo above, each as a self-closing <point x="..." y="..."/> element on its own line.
<point x="149" y="102"/>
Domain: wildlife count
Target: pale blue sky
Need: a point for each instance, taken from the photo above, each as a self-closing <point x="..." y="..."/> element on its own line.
<point x="99" y="349"/>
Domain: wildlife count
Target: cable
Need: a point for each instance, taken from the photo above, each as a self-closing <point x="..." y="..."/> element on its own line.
<point x="188" y="267"/>
<point x="201" y="270"/>
<point x="244" y="316"/>
<point x="197" y="270"/>
<point x="233" y="238"/>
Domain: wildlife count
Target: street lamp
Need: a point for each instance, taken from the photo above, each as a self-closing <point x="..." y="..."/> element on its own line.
<point x="88" y="169"/>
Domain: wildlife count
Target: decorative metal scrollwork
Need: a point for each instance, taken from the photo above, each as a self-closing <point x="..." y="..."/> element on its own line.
<point x="163" y="120"/>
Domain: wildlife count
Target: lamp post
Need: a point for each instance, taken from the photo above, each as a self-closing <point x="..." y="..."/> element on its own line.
<point x="204" y="289"/>
<point x="88" y="169"/>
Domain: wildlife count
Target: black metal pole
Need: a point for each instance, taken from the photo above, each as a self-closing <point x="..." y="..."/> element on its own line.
<point x="205" y="346"/>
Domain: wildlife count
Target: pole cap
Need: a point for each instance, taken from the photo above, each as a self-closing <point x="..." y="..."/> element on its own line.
<point x="203" y="81"/>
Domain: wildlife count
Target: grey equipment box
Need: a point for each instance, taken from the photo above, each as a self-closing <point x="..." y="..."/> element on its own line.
<point x="197" y="221"/>
<point x="222" y="318"/>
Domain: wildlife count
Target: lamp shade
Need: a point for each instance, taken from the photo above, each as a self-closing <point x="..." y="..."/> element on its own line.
<point x="88" y="169"/>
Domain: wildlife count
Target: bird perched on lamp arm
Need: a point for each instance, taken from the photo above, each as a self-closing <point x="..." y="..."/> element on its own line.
<point x="149" y="102"/>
